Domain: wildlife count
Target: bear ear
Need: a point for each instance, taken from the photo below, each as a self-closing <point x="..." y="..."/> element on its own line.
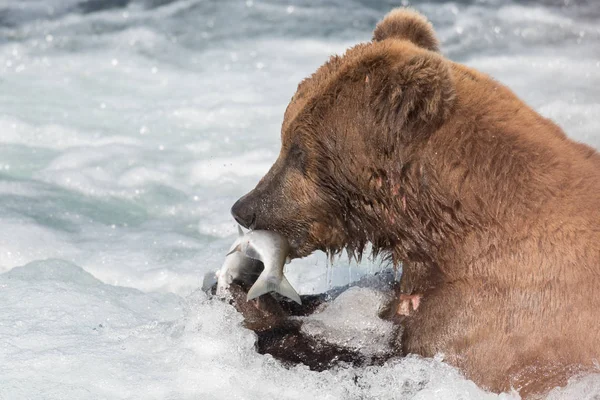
<point x="411" y="93"/>
<point x="407" y="24"/>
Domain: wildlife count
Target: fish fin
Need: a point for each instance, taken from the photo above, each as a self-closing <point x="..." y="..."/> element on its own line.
<point x="286" y="289"/>
<point x="236" y="248"/>
<point x="265" y="285"/>
<point x="240" y="231"/>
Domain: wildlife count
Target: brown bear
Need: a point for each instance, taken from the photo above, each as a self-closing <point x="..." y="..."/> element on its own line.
<point x="493" y="212"/>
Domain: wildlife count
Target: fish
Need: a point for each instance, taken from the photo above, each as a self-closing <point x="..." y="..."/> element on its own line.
<point x="272" y="250"/>
<point x="237" y="267"/>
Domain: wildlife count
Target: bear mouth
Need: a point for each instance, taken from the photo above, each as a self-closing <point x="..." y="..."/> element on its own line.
<point x="300" y="247"/>
<point x="305" y="245"/>
<point x="307" y="238"/>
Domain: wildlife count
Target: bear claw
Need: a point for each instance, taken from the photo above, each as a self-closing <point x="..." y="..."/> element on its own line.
<point x="406" y="301"/>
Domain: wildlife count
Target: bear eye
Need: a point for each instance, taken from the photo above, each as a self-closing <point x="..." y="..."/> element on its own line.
<point x="297" y="157"/>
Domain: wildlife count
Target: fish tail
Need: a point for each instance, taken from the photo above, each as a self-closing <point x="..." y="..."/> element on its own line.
<point x="286" y="289"/>
<point x="265" y="285"/>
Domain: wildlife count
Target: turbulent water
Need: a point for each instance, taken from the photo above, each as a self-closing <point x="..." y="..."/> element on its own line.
<point x="129" y="128"/>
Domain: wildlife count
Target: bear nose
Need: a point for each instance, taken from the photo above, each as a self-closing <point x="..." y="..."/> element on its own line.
<point x="243" y="213"/>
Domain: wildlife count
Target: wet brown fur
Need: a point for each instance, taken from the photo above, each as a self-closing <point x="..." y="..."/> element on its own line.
<point x="493" y="212"/>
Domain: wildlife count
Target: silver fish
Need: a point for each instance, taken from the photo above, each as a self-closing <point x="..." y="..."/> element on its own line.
<point x="272" y="249"/>
<point x="236" y="267"/>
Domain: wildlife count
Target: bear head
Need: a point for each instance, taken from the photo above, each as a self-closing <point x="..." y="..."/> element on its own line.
<point x="348" y="137"/>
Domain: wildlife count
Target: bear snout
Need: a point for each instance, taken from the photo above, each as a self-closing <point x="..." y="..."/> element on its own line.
<point x="259" y="211"/>
<point x="244" y="211"/>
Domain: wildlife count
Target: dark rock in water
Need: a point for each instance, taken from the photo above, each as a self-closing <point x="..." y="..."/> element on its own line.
<point x="291" y="346"/>
<point x="278" y="323"/>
